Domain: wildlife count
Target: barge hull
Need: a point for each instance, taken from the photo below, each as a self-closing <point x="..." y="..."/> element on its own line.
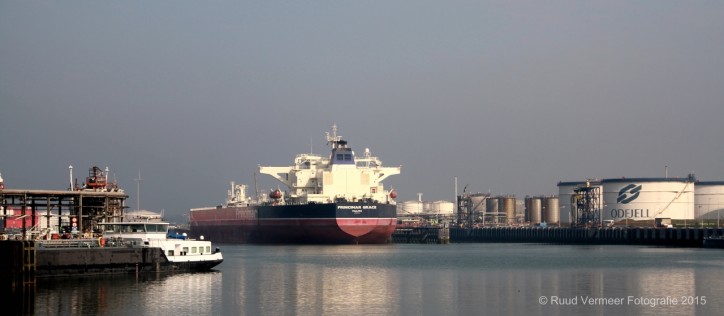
<point x="24" y="257"/>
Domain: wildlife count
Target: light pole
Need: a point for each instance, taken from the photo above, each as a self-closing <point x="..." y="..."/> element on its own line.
<point x="138" y="191"/>
<point x="70" y="172"/>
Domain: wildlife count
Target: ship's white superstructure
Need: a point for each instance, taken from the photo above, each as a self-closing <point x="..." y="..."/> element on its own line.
<point x="341" y="176"/>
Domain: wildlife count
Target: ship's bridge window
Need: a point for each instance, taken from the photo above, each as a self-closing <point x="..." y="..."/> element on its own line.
<point x="343" y="157"/>
<point x="156" y="228"/>
<point x="136" y="228"/>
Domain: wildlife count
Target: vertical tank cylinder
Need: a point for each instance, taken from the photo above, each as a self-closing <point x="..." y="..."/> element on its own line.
<point x="507" y="207"/>
<point x="550" y="211"/>
<point x="491" y="205"/>
<point x="709" y="200"/>
<point x="478" y="202"/>
<point x="648" y="198"/>
<point x="533" y="210"/>
<point x="491" y="209"/>
<point x="441" y="208"/>
<point x="410" y="207"/>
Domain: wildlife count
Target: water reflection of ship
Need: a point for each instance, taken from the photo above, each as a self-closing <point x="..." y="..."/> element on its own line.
<point x="151" y="294"/>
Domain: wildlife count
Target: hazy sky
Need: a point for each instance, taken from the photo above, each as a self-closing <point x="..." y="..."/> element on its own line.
<point x="509" y="96"/>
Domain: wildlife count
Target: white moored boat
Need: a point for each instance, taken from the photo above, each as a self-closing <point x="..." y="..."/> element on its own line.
<point x="182" y="253"/>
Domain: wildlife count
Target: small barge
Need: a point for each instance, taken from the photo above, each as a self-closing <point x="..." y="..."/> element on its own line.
<point x="128" y="247"/>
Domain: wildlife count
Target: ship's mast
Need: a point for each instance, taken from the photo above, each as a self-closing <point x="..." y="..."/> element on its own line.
<point x="333" y="139"/>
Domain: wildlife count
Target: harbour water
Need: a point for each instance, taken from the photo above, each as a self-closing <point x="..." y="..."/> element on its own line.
<point x="409" y="279"/>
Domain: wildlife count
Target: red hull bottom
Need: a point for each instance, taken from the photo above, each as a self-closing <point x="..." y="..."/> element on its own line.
<point x="316" y="231"/>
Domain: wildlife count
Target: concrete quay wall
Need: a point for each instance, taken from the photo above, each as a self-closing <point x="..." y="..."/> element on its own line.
<point x="676" y="237"/>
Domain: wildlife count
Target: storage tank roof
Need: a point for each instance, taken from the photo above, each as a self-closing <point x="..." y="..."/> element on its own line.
<point x="709" y="182"/>
<point x="566" y="183"/>
<point x="647" y="180"/>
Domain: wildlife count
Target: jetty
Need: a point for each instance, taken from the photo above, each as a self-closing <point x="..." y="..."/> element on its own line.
<point x="674" y="237"/>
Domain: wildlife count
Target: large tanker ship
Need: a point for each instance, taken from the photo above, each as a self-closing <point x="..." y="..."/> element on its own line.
<point x="338" y="199"/>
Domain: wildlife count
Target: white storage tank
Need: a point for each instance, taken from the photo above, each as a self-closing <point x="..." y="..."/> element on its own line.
<point x="427" y="207"/>
<point x="442" y="208"/>
<point x="709" y="199"/>
<point x="409" y="207"/>
<point x="647" y="198"/>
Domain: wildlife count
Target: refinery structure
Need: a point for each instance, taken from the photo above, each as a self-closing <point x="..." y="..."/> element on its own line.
<point x="45" y="214"/>
<point x="586" y="203"/>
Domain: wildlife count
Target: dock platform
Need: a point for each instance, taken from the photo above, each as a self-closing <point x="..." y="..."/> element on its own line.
<point x="675" y="237"/>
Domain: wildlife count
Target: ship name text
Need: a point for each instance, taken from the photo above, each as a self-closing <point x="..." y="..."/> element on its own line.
<point x="356" y="207"/>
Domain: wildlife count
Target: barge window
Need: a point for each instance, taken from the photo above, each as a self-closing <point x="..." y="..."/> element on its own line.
<point x="208" y="249"/>
<point x="170" y="253"/>
<point x="185" y="250"/>
<point x="193" y="249"/>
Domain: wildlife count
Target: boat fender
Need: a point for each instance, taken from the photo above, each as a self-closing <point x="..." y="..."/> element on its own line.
<point x="101" y="241"/>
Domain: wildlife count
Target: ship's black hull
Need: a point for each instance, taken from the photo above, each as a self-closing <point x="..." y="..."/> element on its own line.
<point x="323" y="223"/>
